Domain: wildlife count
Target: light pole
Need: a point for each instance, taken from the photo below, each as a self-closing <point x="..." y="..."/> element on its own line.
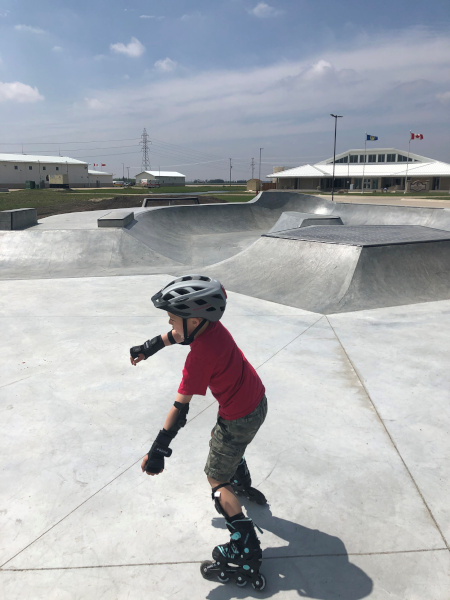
<point x="335" y="117"/>
<point x="128" y="179"/>
<point x="260" y="150"/>
<point x="230" y="171"/>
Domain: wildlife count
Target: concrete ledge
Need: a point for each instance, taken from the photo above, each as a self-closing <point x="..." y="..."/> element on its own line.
<point x="19" y="218"/>
<point x="116" y="218"/>
<point x="147" y="202"/>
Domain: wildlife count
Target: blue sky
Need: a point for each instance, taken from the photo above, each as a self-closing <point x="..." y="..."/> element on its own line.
<point x="212" y="80"/>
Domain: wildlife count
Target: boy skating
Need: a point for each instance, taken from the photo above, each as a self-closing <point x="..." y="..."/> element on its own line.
<point x="195" y="305"/>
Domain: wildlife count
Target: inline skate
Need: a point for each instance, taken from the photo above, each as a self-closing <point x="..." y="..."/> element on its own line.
<point x="239" y="559"/>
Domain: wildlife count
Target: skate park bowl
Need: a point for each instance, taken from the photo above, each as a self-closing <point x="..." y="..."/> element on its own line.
<point x="294" y="249"/>
<point x="344" y="311"/>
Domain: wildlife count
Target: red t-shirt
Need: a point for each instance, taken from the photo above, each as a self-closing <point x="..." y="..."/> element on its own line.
<point x="215" y="361"/>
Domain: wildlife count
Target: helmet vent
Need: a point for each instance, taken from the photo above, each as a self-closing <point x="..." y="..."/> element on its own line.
<point x="210" y="309"/>
<point x="182" y="291"/>
<point x="200" y="302"/>
<point x="218" y="296"/>
<point x="181" y="307"/>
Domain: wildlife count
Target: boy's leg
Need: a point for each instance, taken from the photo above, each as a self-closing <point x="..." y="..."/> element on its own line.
<point x="228" y="500"/>
<point x="242" y="484"/>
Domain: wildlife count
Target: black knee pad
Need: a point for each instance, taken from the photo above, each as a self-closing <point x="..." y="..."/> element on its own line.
<point x="215" y="495"/>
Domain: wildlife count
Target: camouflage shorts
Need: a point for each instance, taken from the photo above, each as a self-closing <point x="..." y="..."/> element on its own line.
<point x="229" y="441"/>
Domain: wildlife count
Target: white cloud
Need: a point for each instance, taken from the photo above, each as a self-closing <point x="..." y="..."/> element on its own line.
<point x="151" y="17"/>
<point x="167" y="65"/>
<point x="134" y="49"/>
<point x="29" y="29"/>
<point x="94" y="104"/>
<point x="197" y="16"/>
<point x="19" y="92"/>
<point x="444" y="97"/>
<point x="57" y="49"/>
<point x="265" y="11"/>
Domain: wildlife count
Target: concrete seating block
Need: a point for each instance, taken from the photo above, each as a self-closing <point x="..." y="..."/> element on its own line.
<point x="18" y="218"/>
<point x="116" y="218"/>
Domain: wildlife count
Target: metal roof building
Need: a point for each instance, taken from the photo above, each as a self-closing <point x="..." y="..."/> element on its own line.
<point x="18" y="169"/>
<point x="382" y="168"/>
<point x="161" y="177"/>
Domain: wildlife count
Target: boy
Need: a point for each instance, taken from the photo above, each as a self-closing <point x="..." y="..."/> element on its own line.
<point x="195" y="305"/>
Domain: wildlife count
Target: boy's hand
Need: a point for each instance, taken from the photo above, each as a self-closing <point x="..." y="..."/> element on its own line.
<point x="135" y="361"/>
<point x="143" y="465"/>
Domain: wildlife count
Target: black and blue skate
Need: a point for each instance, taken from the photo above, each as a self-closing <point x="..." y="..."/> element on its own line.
<point x="241" y="483"/>
<point x="240" y="559"/>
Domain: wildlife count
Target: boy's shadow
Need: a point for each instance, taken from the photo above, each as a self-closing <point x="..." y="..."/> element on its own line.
<point x="313" y="563"/>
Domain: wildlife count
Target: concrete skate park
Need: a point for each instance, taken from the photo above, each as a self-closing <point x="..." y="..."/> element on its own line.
<point x="343" y="309"/>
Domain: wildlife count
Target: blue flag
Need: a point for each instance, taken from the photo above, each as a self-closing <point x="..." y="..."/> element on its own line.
<point x="371" y="138"/>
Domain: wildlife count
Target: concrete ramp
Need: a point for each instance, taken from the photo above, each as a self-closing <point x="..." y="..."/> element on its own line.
<point x="342" y="276"/>
<point x="74" y="253"/>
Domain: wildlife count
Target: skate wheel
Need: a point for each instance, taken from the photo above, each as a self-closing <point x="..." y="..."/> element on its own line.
<point x="260" y="583"/>
<point x="241" y="583"/>
<point x="204" y="569"/>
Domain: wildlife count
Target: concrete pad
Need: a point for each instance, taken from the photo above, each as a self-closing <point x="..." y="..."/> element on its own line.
<point x="352" y="513"/>
<point x="401" y="356"/>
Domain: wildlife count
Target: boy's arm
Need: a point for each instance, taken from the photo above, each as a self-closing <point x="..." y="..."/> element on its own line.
<point x="174" y="412"/>
<point x="153" y="462"/>
<point x="150" y="347"/>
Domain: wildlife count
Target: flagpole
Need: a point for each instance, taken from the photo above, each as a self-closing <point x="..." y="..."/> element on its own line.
<point x="407" y="161"/>
<point x="364" y="163"/>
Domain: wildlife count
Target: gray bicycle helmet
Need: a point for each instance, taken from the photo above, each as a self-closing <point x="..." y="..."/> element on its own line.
<point x="193" y="296"/>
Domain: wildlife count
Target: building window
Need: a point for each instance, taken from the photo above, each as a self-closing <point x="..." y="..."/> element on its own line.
<point x="353" y="158"/>
<point x="372" y="158"/>
<point x="15" y="167"/>
<point x="30" y="168"/>
<point x="391" y="158"/>
<point x="57" y="168"/>
<point x="436" y="183"/>
<point x="362" y="158"/>
<point x="44" y="168"/>
<point x="401" y="158"/>
<point x="381" y="157"/>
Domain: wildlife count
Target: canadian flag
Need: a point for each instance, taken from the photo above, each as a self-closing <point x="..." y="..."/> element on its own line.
<point x="416" y="136"/>
<point x="95" y="165"/>
<point x="104" y="165"/>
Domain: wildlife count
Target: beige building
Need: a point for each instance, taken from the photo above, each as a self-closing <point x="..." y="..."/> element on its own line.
<point x="100" y="179"/>
<point x="18" y="169"/>
<point x="381" y="169"/>
<point x="161" y="177"/>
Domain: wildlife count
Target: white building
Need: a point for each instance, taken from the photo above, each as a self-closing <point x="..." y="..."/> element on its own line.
<point x="161" y="177"/>
<point x="375" y="169"/>
<point x="100" y="179"/>
<point x="17" y="169"/>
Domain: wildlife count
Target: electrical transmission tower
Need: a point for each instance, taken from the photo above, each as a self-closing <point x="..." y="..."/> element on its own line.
<point x="145" y="151"/>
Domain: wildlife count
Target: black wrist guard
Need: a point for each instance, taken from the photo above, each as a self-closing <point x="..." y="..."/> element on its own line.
<point x="159" y="450"/>
<point x="171" y="338"/>
<point x="149" y="348"/>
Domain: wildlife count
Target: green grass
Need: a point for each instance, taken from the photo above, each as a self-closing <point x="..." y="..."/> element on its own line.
<point x="48" y="198"/>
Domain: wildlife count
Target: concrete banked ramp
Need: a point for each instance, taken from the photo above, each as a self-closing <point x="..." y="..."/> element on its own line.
<point x="274" y="247"/>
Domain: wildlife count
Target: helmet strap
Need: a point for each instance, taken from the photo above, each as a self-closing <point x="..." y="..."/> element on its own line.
<point x="188" y="339"/>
